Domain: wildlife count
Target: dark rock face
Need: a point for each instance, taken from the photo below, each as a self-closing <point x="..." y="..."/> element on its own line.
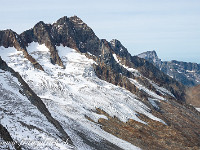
<point x="83" y="36"/>
<point x="186" y="73"/>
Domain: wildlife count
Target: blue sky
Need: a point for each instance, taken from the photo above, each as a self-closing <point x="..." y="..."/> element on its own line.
<point x="171" y="27"/>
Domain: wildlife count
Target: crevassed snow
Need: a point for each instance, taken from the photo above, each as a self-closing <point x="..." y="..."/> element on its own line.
<point x="34" y="45"/>
<point x="16" y="109"/>
<point x="4" y="145"/>
<point x="7" y="53"/>
<point x="75" y="92"/>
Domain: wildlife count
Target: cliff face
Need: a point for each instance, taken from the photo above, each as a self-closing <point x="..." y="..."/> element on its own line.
<point x="90" y="93"/>
<point x="186" y="73"/>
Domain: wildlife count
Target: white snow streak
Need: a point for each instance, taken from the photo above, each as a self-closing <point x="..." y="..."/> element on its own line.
<point x="198" y="109"/>
<point x="126" y="67"/>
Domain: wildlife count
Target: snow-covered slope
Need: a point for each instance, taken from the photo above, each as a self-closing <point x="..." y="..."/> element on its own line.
<point x="75" y="92"/>
<point x="71" y="94"/>
<point x="24" y="122"/>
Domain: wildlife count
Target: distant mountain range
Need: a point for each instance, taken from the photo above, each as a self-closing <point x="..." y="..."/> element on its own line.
<point x="185" y="72"/>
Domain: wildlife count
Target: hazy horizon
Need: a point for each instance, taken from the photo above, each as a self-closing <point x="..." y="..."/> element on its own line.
<point x="170" y="27"/>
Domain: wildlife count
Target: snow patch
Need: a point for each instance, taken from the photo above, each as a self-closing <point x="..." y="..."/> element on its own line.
<point x="149" y="92"/>
<point x="198" y="109"/>
<point x="190" y="71"/>
<point x="153" y="102"/>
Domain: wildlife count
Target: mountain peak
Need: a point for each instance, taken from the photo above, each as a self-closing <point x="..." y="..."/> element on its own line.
<point x="40" y="23"/>
<point x="75" y="18"/>
<point x="8" y="31"/>
<point x="150" y="54"/>
<point x="114" y="41"/>
<point x="153" y="52"/>
<point x="62" y="20"/>
<point x="65" y="19"/>
<point x="9" y="38"/>
<point x="118" y="47"/>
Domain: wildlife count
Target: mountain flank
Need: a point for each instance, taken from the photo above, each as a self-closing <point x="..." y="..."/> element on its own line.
<point x="61" y="82"/>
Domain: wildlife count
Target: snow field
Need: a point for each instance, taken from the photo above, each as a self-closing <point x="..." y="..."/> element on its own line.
<point x="72" y="93"/>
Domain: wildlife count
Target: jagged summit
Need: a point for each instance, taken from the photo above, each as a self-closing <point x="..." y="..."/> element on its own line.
<point x="82" y="92"/>
<point x="152" y="57"/>
<point x="152" y="54"/>
<point x="118" y="47"/>
<point x="66" y="19"/>
<point x="40" y="23"/>
<point x="76" y="19"/>
<point x="62" y="20"/>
